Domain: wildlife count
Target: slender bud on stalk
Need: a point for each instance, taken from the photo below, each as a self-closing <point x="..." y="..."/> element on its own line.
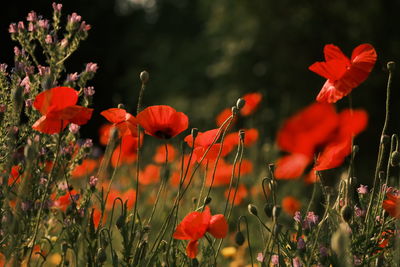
<point x="395" y="158"/>
<point x="268" y="209"/>
<point x="121" y="106"/>
<point x="144" y="76"/>
<point x="252" y="209"/>
<point x="276" y="211"/>
<point x="240" y="103"/>
<point x="234" y="110"/>
<point x="194" y="133"/>
<point x="239" y="238"/>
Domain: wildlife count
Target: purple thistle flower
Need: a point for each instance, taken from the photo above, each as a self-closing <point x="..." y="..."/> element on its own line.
<point x="31" y="27"/>
<point x="48" y="39"/>
<point x="363" y="189"/>
<point x="43" y="23"/>
<point x="297" y="216"/>
<point x="57" y="7"/>
<point x="31" y="16"/>
<point x="301" y="244"/>
<point x="72" y="77"/>
<point x="74" y="18"/>
<point x="74" y="128"/>
<point x="297" y="262"/>
<point x="93" y="181"/>
<point x="21" y="25"/>
<point x="275" y="259"/>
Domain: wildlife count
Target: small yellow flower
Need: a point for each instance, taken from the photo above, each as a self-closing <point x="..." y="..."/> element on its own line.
<point x="228" y="252"/>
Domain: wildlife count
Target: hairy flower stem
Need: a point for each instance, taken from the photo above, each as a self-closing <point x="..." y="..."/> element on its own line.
<point x="382" y="145"/>
<point x="44" y="196"/>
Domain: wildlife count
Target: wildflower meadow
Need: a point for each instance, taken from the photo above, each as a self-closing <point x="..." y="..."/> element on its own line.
<point x="155" y="189"/>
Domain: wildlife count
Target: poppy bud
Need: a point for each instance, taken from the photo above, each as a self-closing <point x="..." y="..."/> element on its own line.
<point x="194" y="200"/>
<point x="276" y="211"/>
<point x="146" y="228"/>
<point x="194" y="133"/>
<point x="240" y="103"/>
<point x="121" y="106"/>
<point x="101" y="255"/>
<point x="268" y="209"/>
<point x="120" y="222"/>
<point x="234" y="110"/>
<point x="252" y="209"/>
<point x="242" y="134"/>
<point x="347" y="213"/>
<point x="395" y="158"/>
<point x="239" y="238"/>
<point x="207" y="200"/>
<point x="391" y="66"/>
<point x="144" y="76"/>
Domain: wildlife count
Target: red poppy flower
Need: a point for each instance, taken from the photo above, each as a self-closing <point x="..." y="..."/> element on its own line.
<point x="253" y="101"/>
<point x="392" y="205"/>
<point x="65" y="200"/>
<point x="159" y="157"/>
<point x="124" y="121"/>
<point x="126" y="152"/>
<point x="14" y="175"/>
<point x="195" y="225"/>
<point x="290" y="205"/>
<point x="58" y="108"/>
<point x="240" y="194"/>
<point x="292" y="166"/>
<point x="150" y="175"/>
<point x="250" y="138"/>
<point x="86" y="168"/>
<point x="129" y="196"/>
<point x="162" y="121"/>
<point x="223" y="116"/>
<point x="351" y="123"/>
<point x="343" y="74"/>
<point x="203" y="142"/>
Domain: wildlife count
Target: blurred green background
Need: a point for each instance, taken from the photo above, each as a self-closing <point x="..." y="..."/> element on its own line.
<point x="204" y="54"/>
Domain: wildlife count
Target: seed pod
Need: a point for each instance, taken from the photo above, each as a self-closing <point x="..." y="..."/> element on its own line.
<point x="239" y="238"/>
<point x="252" y="209"/>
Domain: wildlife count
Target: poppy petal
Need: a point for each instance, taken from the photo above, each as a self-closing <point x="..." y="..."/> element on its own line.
<point x="55" y="99"/>
<point x="332" y="52"/>
<point x="192" y="249"/>
<point x="114" y="115"/>
<point x="49" y="126"/>
<point x="218" y="226"/>
<point x="333" y="154"/>
<point x="291" y="166"/>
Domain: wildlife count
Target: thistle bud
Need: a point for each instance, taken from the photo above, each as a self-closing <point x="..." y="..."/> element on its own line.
<point x="144" y="77"/>
<point x="239" y="238"/>
<point x="395" y="158"/>
<point x="252" y="209"/>
<point x="240" y="103"/>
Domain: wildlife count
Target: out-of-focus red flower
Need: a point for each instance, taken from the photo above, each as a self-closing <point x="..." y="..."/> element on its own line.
<point x="351" y="123"/>
<point x="124" y="121"/>
<point x="392" y="205"/>
<point x="129" y="196"/>
<point x="86" y="168"/>
<point x="223" y="116"/>
<point x="290" y="205"/>
<point x="202" y="143"/>
<point x="150" y="175"/>
<point x="253" y="101"/>
<point x="343" y="74"/>
<point x="65" y="200"/>
<point x="162" y="121"/>
<point x="159" y="157"/>
<point x="195" y="225"/>
<point x="14" y="175"/>
<point x="126" y="152"/>
<point x="240" y="194"/>
<point x="58" y="108"/>
<point x="97" y="217"/>
<point x="104" y="134"/>
<point x="250" y="138"/>
<point x="318" y="129"/>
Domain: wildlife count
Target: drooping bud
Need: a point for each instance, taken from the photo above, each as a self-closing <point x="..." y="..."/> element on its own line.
<point x="347" y="213"/>
<point x="276" y="211"/>
<point x="239" y="238"/>
<point x="252" y="209"/>
<point x="240" y="103"/>
<point x="268" y="209"/>
<point x="144" y="77"/>
<point x="395" y="158"/>
<point x="101" y="255"/>
<point x="391" y="65"/>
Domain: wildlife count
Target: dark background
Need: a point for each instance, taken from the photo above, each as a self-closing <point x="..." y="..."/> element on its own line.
<point x="204" y="54"/>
